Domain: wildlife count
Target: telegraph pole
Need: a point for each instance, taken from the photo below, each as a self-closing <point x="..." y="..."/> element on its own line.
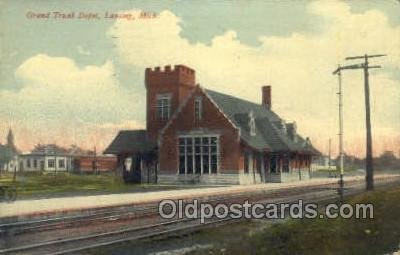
<point x="338" y="71"/>
<point x="369" y="169"/>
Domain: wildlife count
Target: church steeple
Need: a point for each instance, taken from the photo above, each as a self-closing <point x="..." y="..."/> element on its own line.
<point x="10" y="141"/>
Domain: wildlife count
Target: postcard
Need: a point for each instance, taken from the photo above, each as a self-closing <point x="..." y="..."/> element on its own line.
<point x="199" y="127"/>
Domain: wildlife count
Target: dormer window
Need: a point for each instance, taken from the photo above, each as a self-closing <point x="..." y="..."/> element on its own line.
<point x="198" y="108"/>
<point x="252" y="124"/>
<point x="163" y="106"/>
<point x="283" y="128"/>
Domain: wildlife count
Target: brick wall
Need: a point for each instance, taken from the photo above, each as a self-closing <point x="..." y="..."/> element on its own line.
<point x="85" y="163"/>
<point x="213" y="122"/>
<point x="177" y="81"/>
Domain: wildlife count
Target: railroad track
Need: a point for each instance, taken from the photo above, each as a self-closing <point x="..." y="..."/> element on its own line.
<point x="126" y="213"/>
<point x="317" y="193"/>
<point x="22" y="227"/>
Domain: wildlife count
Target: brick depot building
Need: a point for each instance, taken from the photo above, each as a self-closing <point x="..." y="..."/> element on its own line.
<point x="198" y="135"/>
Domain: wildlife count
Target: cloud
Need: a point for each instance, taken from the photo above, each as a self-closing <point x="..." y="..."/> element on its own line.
<point x="58" y="97"/>
<point x="83" y="51"/>
<point x="299" y="67"/>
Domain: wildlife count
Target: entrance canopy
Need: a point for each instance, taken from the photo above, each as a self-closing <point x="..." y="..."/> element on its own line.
<point x="130" y="141"/>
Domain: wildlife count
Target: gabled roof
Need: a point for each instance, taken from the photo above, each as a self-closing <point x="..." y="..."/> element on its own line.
<point x="130" y="141"/>
<point x="270" y="128"/>
<point x="48" y="149"/>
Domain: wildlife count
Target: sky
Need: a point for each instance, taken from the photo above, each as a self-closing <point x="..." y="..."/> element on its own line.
<point x="79" y="81"/>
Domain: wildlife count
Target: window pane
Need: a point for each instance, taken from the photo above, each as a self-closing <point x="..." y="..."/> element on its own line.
<point x="159" y="112"/>
<point x="214" y="164"/>
<point x="189" y="140"/>
<point x="205" y="164"/>
<point x="181" y="141"/>
<point x="182" y="164"/>
<point x="163" y="108"/>
<point x="214" y="159"/>
<point x="205" y="150"/>
<point x="197" y="149"/>
<point x="165" y="113"/>
<point x="213" y="140"/>
<point x="50" y="163"/>
<point x="182" y="150"/>
<point x="61" y="163"/>
<point x="197" y="109"/>
<point x="213" y="149"/>
<point x="189" y="149"/>
<point x="214" y="168"/>
<point x="189" y="164"/>
<point x="197" y="164"/>
<point x="197" y="140"/>
<point x="205" y="140"/>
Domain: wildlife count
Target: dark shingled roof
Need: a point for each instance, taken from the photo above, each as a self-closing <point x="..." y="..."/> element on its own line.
<point x="129" y="141"/>
<point x="271" y="133"/>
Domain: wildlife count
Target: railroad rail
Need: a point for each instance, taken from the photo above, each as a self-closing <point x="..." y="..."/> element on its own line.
<point x="64" y="245"/>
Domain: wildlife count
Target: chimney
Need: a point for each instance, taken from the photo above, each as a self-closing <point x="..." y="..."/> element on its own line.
<point x="266" y="96"/>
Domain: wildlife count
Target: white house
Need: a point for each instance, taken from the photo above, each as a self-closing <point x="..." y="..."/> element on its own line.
<point x="35" y="162"/>
<point x="322" y="163"/>
<point x="49" y="158"/>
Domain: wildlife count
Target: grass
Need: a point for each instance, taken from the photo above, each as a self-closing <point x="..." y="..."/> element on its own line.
<point x="65" y="184"/>
<point x="380" y="235"/>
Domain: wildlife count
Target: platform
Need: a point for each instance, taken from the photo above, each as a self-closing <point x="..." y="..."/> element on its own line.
<point x="26" y="208"/>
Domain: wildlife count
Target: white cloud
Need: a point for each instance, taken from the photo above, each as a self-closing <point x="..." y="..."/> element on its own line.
<point x="298" y="66"/>
<point x="58" y="97"/>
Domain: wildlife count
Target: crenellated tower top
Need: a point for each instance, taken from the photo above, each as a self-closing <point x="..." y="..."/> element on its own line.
<point x="180" y="74"/>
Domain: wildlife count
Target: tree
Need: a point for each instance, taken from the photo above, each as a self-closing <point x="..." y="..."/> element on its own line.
<point x="387" y="160"/>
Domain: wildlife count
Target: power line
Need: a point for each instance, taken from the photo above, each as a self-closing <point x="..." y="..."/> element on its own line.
<point x="369" y="166"/>
<point x="369" y="170"/>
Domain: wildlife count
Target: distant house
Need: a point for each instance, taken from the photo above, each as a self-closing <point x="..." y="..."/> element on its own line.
<point x="322" y="162"/>
<point x="198" y="135"/>
<point x="48" y="158"/>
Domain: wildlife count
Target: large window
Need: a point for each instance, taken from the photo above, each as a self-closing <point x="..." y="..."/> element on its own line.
<point x="198" y="155"/>
<point x="163" y="106"/>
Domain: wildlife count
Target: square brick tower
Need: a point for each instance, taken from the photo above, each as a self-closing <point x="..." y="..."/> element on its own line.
<point x="166" y="89"/>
